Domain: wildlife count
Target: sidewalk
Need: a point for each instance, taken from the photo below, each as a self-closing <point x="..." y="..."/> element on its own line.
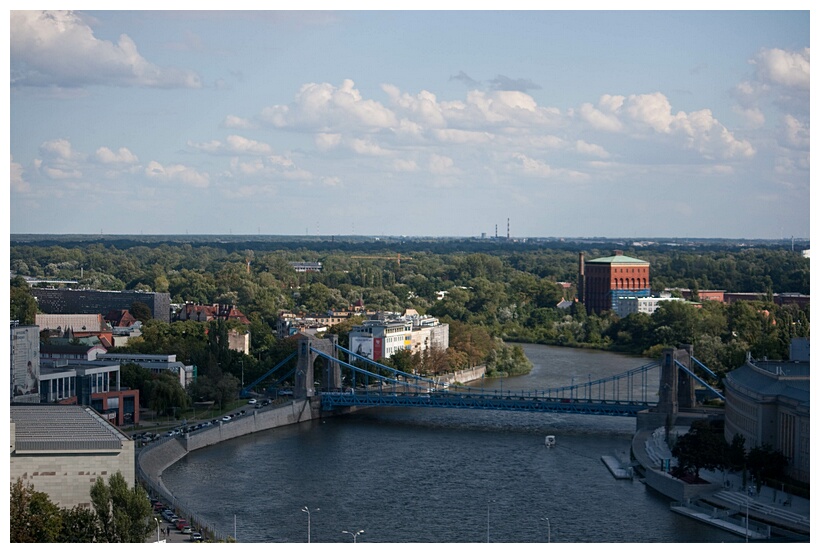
<point x="770" y="498"/>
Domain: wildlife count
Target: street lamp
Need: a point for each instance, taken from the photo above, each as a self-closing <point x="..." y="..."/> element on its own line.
<point x="306" y="510"/>
<point x="549" y="538"/>
<point x="354" y="534"/>
<point x="488" y="522"/>
<point x="157" y="521"/>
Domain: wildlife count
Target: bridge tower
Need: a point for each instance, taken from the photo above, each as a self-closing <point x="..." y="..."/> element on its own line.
<point x="677" y="389"/>
<point x="306" y="360"/>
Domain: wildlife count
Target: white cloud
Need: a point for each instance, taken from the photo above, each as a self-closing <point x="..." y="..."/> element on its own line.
<point x="281" y="161"/>
<point x="598" y="119"/>
<point x="653" y="110"/>
<point x="241" y="145"/>
<point x="181" y="173"/>
<point x="789" y="69"/>
<point x="586" y="148"/>
<point x="18" y="182"/>
<point x="753" y="116"/>
<point x="323" y="107"/>
<point x="441" y="165"/>
<point x="528" y="166"/>
<point x="57" y="48"/>
<point x="423" y="108"/>
<point x="498" y="108"/>
<point x="796" y="133"/>
<point x="233" y="145"/>
<point x="59" y="148"/>
<point x="234" y="122"/>
<point x="58" y="173"/>
<point x="366" y="147"/>
<point x="405" y="165"/>
<point x="122" y="156"/>
<point x="327" y="141"/>
<point x="457" y="136"/>
<point x="270" y="167"/>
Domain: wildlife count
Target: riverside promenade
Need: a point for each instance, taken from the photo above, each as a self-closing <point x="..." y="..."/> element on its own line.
<point x="722" y="500"/>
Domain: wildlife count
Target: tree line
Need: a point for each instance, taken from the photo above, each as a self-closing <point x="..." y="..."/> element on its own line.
<point x="509" y="291"/>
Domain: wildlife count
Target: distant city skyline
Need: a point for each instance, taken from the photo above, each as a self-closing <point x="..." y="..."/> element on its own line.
<point x="420" y="123"/>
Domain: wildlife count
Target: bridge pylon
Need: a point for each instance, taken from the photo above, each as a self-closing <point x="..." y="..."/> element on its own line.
<point x="304" y="386"/>
<point x="677" y="389"/>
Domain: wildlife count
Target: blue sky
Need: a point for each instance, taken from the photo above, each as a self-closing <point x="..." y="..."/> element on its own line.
<point x="419" y="123"/>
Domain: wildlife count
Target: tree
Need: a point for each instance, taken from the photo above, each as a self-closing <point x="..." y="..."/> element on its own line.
<point x="702" y="447"/>
<point x="101" y="502"/>
<point x="765" y="463"/>
<point x="33" y="517"/>
<point x="123" y="511"/>
<point x="23" y="304"/>
<point x="80" y="525"/>
<point x="141" y="311"/>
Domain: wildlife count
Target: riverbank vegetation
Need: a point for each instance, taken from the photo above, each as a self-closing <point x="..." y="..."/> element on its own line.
<point x="492" y="293"/>
<point x="119" y="514"/>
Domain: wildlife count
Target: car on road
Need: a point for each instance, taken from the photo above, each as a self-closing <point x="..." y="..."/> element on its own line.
<point x="251" y="401"/>
<point x="226" y="418"/>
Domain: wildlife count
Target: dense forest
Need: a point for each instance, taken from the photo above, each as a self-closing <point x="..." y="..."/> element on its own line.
<point x="488" y="290"/>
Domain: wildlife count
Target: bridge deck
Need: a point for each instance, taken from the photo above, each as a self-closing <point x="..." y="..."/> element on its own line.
<point x="513" y="401"/>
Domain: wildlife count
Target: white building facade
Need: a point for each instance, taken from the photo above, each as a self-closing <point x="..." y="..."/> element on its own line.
<point x="380" y="339"/>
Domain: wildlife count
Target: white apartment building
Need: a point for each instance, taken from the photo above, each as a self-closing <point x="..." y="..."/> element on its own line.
<point x="380" y="339"/>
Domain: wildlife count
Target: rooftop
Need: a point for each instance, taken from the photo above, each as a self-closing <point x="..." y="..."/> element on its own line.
<point x="62" y="427"/>
<point x="774" y="378"/>
<point x="619" y="260"/>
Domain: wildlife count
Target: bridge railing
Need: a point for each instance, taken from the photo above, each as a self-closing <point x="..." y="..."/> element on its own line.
<point x="630" y="386"/>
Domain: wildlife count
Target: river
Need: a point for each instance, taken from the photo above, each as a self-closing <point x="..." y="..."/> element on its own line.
<point x="439" y="475"/>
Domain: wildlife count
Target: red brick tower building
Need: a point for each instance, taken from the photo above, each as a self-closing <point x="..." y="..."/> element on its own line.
<point x="602" y="281"/>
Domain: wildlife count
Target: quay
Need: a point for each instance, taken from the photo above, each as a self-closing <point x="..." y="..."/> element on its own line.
<point x="722" y="500"/>
<point x="617" y="468"/>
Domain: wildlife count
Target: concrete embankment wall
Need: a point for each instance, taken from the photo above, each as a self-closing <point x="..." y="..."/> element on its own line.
<point x="467" y="375"/>
<point x="661" y="481"/>
<point x="154" y="459"/>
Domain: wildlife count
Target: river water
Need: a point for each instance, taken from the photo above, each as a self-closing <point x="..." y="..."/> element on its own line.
<point x="407" y="475"/>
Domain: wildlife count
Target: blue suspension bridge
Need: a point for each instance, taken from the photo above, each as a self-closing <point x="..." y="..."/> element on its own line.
<point x="663" y="386"/>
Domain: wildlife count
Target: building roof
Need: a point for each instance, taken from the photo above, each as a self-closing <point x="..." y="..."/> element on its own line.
<point x="619" y="260"/>
<point x="62" y="427"/>
<point x="774" y="378"/>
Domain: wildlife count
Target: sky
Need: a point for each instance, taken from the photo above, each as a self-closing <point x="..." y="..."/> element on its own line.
<point x="411" y="122"/>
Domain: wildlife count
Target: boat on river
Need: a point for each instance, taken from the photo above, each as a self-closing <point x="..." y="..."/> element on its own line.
<point x="549" y="441"/>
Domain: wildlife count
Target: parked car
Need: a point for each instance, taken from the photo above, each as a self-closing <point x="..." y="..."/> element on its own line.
<point x="187" y="530"/>
<point x="251" y="401"/>
<point x="226" y="418"/>
<point x="196" y="536"/>
<point x="181" y="523"/>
